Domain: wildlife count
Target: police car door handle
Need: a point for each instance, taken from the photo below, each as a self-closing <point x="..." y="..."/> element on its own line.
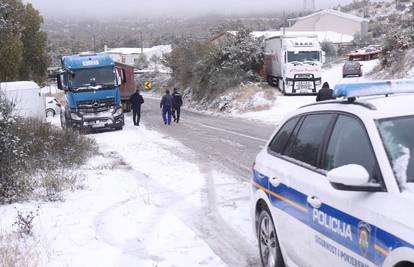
<point x="314" y="202"/>
<point x="275" y="182"/>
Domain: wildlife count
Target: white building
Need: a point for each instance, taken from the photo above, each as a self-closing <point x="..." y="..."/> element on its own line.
<point x="330" y="20"/>
<point x="130" y="56"/>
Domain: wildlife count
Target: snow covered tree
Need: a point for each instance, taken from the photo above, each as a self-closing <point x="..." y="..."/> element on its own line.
<point x="141" y="62"/>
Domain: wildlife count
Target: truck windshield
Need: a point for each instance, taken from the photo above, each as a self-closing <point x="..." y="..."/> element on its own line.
<point x="397" y="136"/>
<point x="92" y="77"/>
<point x="303" y="56"/>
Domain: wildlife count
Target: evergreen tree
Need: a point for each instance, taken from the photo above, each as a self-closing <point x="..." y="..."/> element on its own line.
<point x="22" y="45"/>
<point x="35" y="60"/>
<point x="10" y="43"/>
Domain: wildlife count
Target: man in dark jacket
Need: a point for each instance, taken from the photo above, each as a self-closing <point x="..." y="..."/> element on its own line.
<point x="178" y="102"/>
<point x="166" y="105"/>
<point x="136" y="101"/>
<point x="325" y="93"/>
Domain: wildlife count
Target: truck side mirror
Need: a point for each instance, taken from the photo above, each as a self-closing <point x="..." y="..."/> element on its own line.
<point x="59" y="81"/>
<point x="124" y="77"/>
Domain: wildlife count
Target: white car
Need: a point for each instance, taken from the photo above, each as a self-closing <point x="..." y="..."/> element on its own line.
<point x="53" y="107"/>
<point x="334" y="186"/>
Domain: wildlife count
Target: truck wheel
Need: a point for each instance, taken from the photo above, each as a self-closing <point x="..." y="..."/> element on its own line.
<point x="62" y="121"/>
<point x="270" y="253"/>
<point x="281" y="86"/>
<point x="270" y="81"/>
<point x="50" y="112"/>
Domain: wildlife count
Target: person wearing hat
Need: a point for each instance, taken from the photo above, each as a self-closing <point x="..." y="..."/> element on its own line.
<point x="325" y="93"/>
<point x="178" y="102"/>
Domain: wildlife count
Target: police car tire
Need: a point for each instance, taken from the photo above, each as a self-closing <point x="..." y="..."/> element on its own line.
<point x="265" y="215"/>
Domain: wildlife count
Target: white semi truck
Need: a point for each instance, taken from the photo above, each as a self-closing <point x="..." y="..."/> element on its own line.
<point x="293" y="63"/>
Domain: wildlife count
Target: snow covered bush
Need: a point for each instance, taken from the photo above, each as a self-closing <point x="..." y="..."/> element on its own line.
<point x="17" y="251"/>
<point x="395" y="48"/>
<point x="30" y="148"/>
<point x="211" y="68"/>
<point x="329" y="48"/>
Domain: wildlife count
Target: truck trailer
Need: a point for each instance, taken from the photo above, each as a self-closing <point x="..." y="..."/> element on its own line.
<point x="293" y="63"/>
<point x="91" y="84"/>
<point x="127" y="88"/>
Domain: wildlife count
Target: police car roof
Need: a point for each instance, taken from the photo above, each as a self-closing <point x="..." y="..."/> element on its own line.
<point x="376" y="107"/>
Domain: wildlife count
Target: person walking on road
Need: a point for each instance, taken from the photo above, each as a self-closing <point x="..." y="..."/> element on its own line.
<point x="178" y="102"/>
<point x="325" y="93"/>
<point x="136" y="100"/>
<point x="166" y="105"/>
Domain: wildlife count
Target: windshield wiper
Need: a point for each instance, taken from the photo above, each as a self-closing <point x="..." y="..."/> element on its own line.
<point x="296" y="62"/>
<point x="87" y="87"/>
<point x="313" y="63"/>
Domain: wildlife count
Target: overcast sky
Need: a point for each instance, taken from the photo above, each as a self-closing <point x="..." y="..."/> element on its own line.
<point x="98" y="8"/>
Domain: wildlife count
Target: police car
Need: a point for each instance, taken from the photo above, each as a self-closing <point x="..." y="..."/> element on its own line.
<point x="334" y="186"/>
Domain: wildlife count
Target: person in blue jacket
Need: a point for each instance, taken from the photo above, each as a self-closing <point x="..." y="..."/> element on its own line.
<point x="166" y="105"/>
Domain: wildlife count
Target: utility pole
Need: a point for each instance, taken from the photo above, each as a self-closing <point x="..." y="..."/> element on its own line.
<point x="141" y="42"/>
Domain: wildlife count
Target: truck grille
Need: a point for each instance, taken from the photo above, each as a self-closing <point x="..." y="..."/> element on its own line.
<point x="96" y="105"/>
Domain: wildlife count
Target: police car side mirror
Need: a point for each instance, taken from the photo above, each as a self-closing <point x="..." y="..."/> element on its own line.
<point x="352" y="177"/>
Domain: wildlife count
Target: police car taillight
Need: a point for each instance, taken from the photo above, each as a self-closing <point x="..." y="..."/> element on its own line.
<point x="351" y="90"/>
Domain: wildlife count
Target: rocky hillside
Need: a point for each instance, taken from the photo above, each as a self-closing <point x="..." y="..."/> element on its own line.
<point x="392" y="26"/>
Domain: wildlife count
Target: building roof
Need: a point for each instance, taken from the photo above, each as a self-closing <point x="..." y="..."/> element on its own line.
<point x="135" y="50"/>
<point x="332" y="12"/>
<point x="20" y="85"/>
<point x="323" y="36"/>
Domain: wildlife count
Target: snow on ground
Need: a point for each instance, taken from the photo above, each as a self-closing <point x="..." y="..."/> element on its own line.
<point x="285" y="104"/>
<point x="142" y="205"/>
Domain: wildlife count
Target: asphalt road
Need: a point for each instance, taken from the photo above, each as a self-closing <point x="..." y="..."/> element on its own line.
<point x="230" y="144"/>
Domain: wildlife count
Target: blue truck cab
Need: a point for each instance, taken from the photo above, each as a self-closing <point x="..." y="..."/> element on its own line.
<point x="91" y="83"/>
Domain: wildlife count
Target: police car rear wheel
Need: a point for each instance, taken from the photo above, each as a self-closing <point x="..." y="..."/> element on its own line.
<point x="270" y="254"/>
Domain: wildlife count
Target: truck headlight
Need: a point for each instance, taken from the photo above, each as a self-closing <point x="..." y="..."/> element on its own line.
<point x="318" y="82"/>
<point x="117" y="112"/>
<point x="289" y="82"/>
<point x="75" y="116"/>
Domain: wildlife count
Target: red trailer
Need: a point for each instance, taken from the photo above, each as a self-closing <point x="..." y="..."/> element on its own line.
<point x="128" y="87"/>
<point x="364" y="54"/>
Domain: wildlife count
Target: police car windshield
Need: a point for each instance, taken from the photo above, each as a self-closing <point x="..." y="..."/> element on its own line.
<point x="397" y="136"/>
<point x="303" y="56"/>
<point x="84" y="79"/>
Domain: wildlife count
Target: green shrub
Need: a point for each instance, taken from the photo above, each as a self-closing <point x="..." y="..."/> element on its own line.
<point x="29" y="147"/>
<point x="211" y="68"/>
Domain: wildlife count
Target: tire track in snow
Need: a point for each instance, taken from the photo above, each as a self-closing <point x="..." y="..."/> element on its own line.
<point x="206" y="222"/>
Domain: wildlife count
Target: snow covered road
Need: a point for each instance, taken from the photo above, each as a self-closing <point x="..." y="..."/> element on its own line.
<point x="285" y="104"/>
<point x="150" y="200"/>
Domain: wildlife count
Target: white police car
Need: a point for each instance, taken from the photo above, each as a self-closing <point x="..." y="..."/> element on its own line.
<point x="334" y="186"/>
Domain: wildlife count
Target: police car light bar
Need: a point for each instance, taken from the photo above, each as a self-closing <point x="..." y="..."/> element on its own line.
<point x="351" y="90"/>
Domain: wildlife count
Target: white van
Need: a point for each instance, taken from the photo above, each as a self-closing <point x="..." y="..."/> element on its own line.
<point x="26" y="97"/>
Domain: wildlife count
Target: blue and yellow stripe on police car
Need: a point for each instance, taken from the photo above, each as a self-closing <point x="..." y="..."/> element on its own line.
<point x="294" y="204"/>
<point x="380" y="242"/>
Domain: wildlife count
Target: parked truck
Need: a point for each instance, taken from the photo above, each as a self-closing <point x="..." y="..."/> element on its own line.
<point x="293" y="63"/>
<point x="91" y="84"/>
<point x="128" y="86"/>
